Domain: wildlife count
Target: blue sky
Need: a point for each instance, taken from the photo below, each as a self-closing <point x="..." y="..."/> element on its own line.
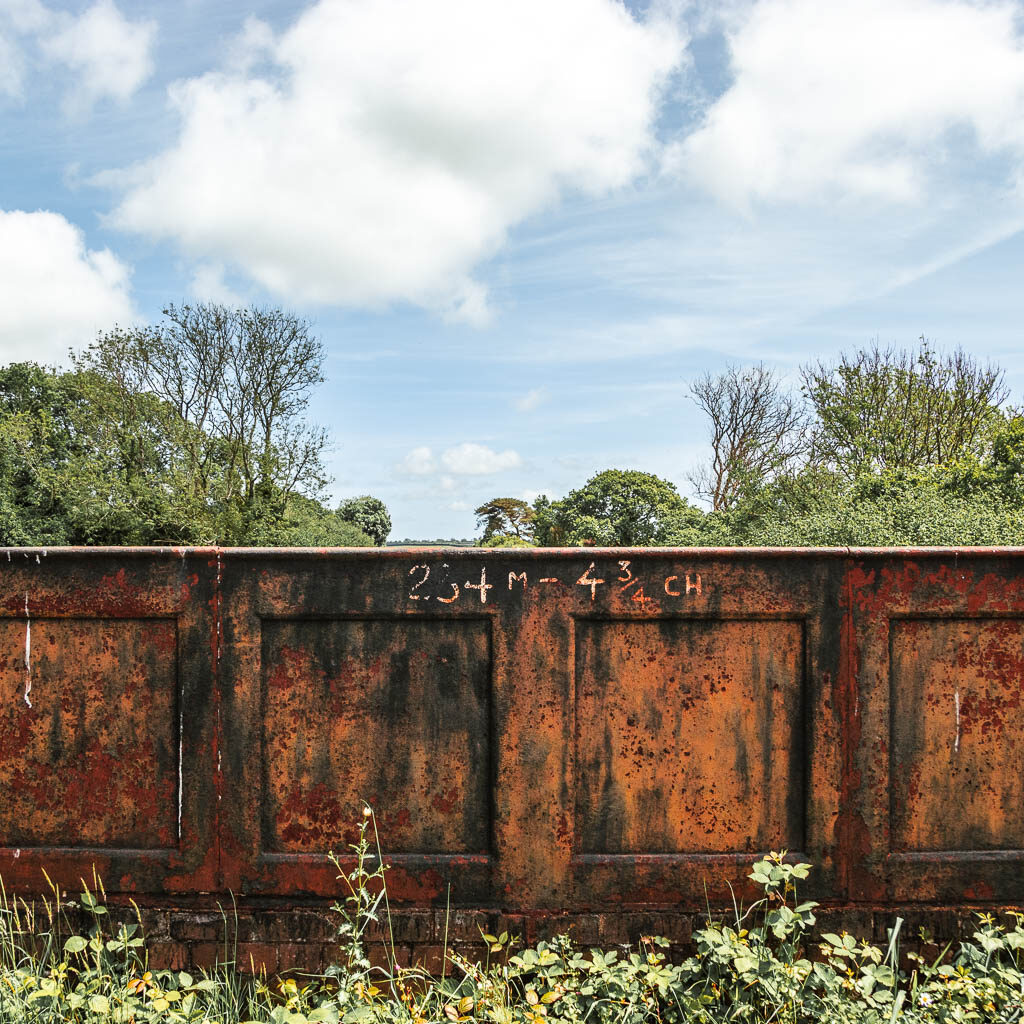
<point x="520" y="228"/>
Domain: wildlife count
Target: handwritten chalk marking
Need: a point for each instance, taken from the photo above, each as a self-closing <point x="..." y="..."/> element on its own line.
<point x="549" y="579"/>
<point x="628" y="578"/>
<point x="426" y="574"/>
<point x="517" y="576"/>
<point x="669" y="590"/>
<point x="483" y="586"/>
<point x="589" y="581"/>
<point x="455" y="589"/>
<point x="690" y="585"/>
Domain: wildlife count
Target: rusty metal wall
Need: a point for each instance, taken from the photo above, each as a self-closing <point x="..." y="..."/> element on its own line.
<point x="556" y="732"/>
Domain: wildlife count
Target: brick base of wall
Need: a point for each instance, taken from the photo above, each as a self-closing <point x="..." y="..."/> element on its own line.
<point x="303" y="939"/>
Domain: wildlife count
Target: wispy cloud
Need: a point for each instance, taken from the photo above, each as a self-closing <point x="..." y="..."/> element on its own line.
<point x="533" y="398"/>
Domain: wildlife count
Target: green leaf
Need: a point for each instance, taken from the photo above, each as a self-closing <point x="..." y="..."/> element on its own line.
<point x="99" y="1004"/>
<point x="75" y="944"/>
<point x="328" y="1012"/>
<point x="357" y="1013"/>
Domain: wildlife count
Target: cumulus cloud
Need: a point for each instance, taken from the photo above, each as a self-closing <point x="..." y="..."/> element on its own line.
<point x="378" y="152"/>
<point x="470" y="459"/>
<point x="866" y="100"/>
<point x="57" y="292"/>
<point x="467" y="459"/>
<point x="110" y="54"/>
<point x="419" y="462"/>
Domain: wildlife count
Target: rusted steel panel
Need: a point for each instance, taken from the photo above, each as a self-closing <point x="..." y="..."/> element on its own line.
<point x="358" y="712"/>
<point x="935" y="663"/>
<point x="338" y="699"/>
<point x="539" y="731"/>
<point x="485" y="704"/>
<point x="87" y="756"/>
<point x="106" y="734"/>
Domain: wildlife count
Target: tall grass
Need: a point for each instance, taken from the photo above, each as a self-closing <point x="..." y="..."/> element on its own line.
<point x="63" y="960"/>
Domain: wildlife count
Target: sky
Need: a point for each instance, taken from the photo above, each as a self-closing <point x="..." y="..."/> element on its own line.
<point x="521" y="228"/>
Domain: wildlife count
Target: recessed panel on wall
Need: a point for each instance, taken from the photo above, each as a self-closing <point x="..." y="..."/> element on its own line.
<point x="689" y="736"/>
<point x="89" y="752"/>
<point x="393" y="713"/>
<point x="957" y="734"/>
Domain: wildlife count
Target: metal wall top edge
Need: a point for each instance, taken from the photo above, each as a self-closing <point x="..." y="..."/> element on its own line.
<point x="516" y="552"/>
<point x="130" y="551"/>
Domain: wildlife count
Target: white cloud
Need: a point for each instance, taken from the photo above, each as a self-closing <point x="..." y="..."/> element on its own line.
<point x="389" y="146"/>
<point x="470" y="459"/>
<point x="10" y="68"/>
<point x="57" y="293"/>
<point x="24" y="15"/>
<point x="533" y="398"/>
<point x="875" y="99"/>
<point x="419" y="462"/>
<point x="18" y="18"/>
<point x="208" y="285"/>
<point x="467" y="459"/>
<point x="110" y="54"/>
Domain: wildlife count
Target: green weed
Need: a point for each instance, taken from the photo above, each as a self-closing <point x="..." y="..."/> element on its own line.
<point x="760" y="967"/>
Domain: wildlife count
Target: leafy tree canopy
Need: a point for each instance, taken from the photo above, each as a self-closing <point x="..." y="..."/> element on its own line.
<point x="369" y="515"/>
<point x="510" y="517"/>
<point x="883" y="410"/>
<point x="192" y="431"/>
<point x="617" y="508"/>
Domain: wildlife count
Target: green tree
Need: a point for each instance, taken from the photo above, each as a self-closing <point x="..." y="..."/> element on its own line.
<point x="884" y="410"/>
<point x="305" y="523"/>
<point x="618" y="508"/>
<point x="506" y="540"/>
<point x="81" y="466"/>
<point x="511" y="517"/>
<point x="191" y="432"/>
<point x="239" y="382"/>
<point x="367" y="514"/>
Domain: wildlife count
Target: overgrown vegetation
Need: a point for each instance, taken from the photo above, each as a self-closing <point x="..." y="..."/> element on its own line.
<point x="883" y="447"/>
<point x="191" y="431"/>
<point x="762" y="966"/>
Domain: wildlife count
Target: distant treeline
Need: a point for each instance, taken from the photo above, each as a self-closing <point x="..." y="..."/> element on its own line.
<point x="883" y="447"/>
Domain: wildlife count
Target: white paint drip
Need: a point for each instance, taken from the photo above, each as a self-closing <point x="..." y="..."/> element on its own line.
<point x="956" y="704"/>
<point x="181" y="744"/>
<point x="28" y="653"/>
<point x="218" y="603"/>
